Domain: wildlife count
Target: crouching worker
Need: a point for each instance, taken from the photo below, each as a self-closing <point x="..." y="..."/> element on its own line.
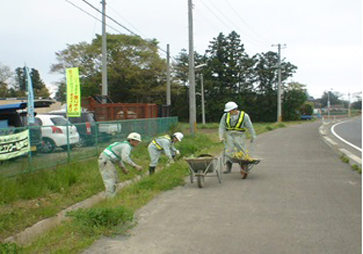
<point x="163" y="144"/>
<point x="118" y="152"/>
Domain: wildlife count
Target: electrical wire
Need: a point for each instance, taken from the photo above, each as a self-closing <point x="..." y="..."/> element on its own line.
<point x="110" y="18"/>
<point x="89" y="14"/>
<point x="247" y="37"/>
<point x="233" y="9"/>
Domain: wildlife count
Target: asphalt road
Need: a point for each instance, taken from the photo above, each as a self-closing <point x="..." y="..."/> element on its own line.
<point x="350" y="131"/>
<point x="300" y="199"/>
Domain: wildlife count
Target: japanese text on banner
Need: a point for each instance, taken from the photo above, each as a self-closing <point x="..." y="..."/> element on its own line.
<point x="14" y="145"/>
<point x="73" y="92"/>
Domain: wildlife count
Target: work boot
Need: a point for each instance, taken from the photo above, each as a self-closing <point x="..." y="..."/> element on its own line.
<point x="151" y="170"/>
<point x="228" y="167"/>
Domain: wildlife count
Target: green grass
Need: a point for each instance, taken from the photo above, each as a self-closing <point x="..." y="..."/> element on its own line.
<point x="357" y="168"/>
<point x="344" y="159"/>
<point x="28" y="198"/>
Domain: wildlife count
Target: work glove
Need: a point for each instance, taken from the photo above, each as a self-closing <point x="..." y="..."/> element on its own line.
<point x="124" y="170"/>
<point x="170" y="162"/>
<point x="139" y="168"/>
<point x="221" y="139"/>
<point x="177" y="152"/>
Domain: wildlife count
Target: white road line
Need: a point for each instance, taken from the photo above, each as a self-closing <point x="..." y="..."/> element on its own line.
<point x="340" y="138"/>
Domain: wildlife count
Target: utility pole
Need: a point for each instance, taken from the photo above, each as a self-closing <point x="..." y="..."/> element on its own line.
<point x="279" y="117"/>
<point x="168" y="94"/>
<point x="192" y="104"/>
<point x="328" y="104"/>
<point x="197" y="68"/>
<point x="104" y="54"/>
<point x="202" y="88"/>
<point x="349" y="105"/>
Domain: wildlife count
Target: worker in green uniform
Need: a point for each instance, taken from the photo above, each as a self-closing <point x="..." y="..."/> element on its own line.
<point x="117" y="153"/>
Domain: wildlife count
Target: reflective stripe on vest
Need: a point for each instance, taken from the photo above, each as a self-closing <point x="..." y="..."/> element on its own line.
<point x="156" y="143"/>
<point x="237" y="127"/>
<point x="108" y="151"/>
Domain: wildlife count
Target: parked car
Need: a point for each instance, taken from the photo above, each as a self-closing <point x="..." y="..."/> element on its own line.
<point x="306" y="117"/>
<point x="54" y="132"/>
<point x="14" y="119"/>
<point x="86" y="126"/>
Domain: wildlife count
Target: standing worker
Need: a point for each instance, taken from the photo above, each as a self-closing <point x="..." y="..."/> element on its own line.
<point x="232" y="128"/>
<point x="163" y="144"/>
<point x="118" y="152"/>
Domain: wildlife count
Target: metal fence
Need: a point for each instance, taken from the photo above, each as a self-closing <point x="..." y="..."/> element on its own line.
<point x="70" y="143"/>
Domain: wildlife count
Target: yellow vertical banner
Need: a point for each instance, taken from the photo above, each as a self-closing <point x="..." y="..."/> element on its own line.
<point x="73" y="92"/>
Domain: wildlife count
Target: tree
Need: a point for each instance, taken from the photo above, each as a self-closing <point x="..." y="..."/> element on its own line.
<point x="5" y="75"/>
<point x="40" y="90"/>
<point x="134" y="67"/>
<point x="20" y="85"/>
<point x="60" y="95"/>
<point x="294" y="98"/>
<point x="358" y="103"/>
<point x="307" y="108"/>
<point x="231" y="75"/>
<point x="266" y="82"/>
<point x="333" y="97"/>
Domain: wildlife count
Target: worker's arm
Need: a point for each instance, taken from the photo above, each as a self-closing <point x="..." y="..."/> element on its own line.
<point x="248" y="124"/>
<point x="222" y="127"/>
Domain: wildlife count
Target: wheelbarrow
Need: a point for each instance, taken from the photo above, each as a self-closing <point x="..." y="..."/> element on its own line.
<point x="245" y="160"/>
<point x="245" y="165"/>
<point x="204" y="165"/>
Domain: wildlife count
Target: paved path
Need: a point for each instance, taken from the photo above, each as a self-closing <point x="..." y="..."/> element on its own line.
<point x="300" y="199"/>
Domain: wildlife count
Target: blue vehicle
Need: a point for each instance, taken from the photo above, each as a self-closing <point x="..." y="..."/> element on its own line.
<point x="13" y="118"/>
<point x="306" y="117"/>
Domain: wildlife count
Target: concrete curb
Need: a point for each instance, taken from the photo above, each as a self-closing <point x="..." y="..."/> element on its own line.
<point x="29" y="234"/>
<point x="353" y="159"/>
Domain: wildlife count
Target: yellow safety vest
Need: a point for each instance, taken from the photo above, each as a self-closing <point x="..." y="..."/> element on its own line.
<point x="237" y="127"/>
<point x="156" y="143"/>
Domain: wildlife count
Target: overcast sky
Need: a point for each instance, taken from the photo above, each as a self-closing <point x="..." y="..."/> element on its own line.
<point x="323" y="37"/>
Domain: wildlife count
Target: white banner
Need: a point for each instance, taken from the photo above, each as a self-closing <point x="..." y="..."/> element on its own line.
<point x="14" y="145"/>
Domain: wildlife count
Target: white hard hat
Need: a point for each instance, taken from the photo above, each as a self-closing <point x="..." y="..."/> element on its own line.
<point x="135" y="136"/>
<point x="179" y="136"/>
<point x="230" y="106"/>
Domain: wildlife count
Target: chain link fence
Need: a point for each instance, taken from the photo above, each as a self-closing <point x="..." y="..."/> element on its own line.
<point x="61" y="144"/>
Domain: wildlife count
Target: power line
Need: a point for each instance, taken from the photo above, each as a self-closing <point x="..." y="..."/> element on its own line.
<point x="215" y="15"/>
<point x="107" y="16"/>
<point x="249" y="37"/>
<point x="233" y="9"/>
<point x="110" y="18"/>
<point x="124" y="19"/>
<point x="79" y="8"/>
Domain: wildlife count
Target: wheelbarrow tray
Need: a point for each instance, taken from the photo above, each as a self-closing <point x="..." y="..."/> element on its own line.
<point x="204" y="164"/>
<point x="201" y="163"/>
<point x="254" y="161"/>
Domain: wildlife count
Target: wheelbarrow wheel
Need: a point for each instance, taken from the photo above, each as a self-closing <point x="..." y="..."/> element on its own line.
<point x="244" y="171"/>
<point x="200" y="179"/>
